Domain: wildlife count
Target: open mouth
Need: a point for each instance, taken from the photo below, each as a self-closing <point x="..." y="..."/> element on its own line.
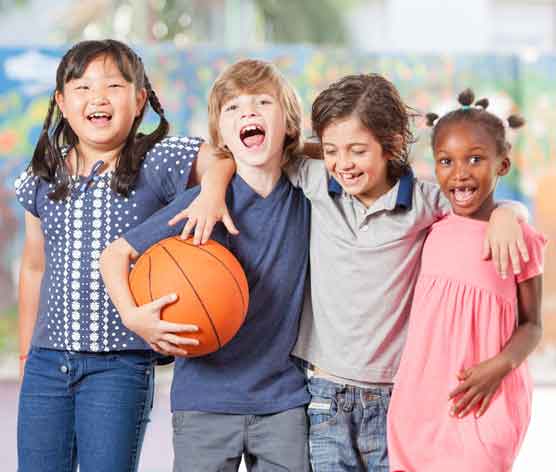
<point x="349" y="177"/>
<point x="99" y="117"/>
<point x="463" y="195"/>
<point x="252" y="135"/>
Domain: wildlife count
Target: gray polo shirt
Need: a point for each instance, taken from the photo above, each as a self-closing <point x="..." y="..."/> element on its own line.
<point x="364" y="265"/>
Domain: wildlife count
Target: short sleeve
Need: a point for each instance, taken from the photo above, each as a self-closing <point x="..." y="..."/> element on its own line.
<point x="167" y="166"/>
<point x="535" y="242"/>
<point x="26" y="187"/>
<point x="437" y="203"/>
<point x="309" y="175"/>
<point x="156" y="227"/>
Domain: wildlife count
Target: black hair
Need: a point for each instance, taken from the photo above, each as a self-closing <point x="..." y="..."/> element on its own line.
<point x="379" y="107"/>
<point x="479" y="115"/>
<point x="57" y="135"/>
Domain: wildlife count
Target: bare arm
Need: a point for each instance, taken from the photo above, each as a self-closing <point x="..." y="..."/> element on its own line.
<point x="480" y="383"/>
<point x="145" y="320"/>
<point x="30" y="277"/>
<point x="504" y="241"/>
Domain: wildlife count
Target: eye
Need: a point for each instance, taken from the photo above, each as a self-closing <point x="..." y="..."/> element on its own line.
<point x="265" y="101"/>
<point x="329" y="152"/>
<point x="115" y="85"/>
<point x="358" y="152"/>
<point x="82" y="87"/>
<point x="475" y="159"/>
<point x="444" y="162"/>
<point x="231" y="107"/>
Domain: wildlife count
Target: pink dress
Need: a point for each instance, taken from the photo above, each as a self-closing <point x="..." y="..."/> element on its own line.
<point x="463" y="313"/>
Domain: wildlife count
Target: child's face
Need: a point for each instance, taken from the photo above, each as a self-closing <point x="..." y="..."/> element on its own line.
<point x="253" y="127"/>
<point x="101" y="105"/>
<point x="355" y="159"/>
<point x="467" y="168"/>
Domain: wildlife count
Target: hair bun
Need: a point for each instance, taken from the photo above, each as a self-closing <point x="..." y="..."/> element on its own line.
<point x="483" y="103"/>
<point x="466" y="97"/>
<point x="431" y="118"/>
<point x="515" y="121"/>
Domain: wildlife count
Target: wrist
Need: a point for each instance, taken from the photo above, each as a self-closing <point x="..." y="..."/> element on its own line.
<point x="23" y="357"/>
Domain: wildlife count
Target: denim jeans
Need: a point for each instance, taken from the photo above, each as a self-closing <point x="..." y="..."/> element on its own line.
<point x="347" y="427"/>
<point x="84" y="408"/>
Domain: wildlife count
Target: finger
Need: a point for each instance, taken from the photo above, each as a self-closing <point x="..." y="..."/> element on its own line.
<point x="208" y="231"/>
<point x="514" y="257"/>
<point x="168" y="327"/>
<point x="504" y="260"/>
<point x="462" y="387"/>
<point x="155" y="348"/>
<point x="180" y="341"/>
<point x="463" y="374"/>
<point x="484" y="405"/>
<point x="486" y="249"/>
<point x="161" y="302"/>
<point x="495" y="254"/>
<point x="470" y="405"/>
<point x="186" y="231"/>
<point x="523" y="249"/>
<point x="462" y="402"/>
<point x="229" y="224"/>
<point x="170" y="349"/>
<point x="199" y="230"/>
<point x="182" y="215"/>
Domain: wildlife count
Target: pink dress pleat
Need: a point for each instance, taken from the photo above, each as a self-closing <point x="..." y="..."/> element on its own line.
<point x="463" y="313"/>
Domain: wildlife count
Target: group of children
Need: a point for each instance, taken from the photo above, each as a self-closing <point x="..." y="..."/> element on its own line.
<point x="345" y="256"/>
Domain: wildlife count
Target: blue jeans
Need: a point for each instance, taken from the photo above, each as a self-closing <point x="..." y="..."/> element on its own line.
<point x="347" y="427"/>
<point x="84" y="408"/>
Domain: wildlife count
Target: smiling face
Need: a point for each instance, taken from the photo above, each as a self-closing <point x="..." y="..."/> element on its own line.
<point x="467" y="167"/>
<point x="253" y="127"/>
<point x="101" y="105"/>
<point x="355" y="159"/>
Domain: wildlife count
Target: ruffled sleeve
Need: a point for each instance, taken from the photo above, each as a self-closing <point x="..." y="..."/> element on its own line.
<point x="536" y="242"/>
<point x="167" y="166"/>
<point x="26" y="187"/>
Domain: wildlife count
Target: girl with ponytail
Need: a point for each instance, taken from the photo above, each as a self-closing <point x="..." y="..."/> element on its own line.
<point x="87" y="380"/>
<point x="462" y="396"/>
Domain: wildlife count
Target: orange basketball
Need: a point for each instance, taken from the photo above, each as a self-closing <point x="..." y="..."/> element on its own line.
<point x="209" y="281"/>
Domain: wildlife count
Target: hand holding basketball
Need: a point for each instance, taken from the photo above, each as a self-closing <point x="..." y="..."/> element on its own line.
<point x="162" y="336"/>
<point x="211" y="287"/>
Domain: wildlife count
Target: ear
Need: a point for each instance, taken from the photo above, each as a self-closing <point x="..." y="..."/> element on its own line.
<point x="59" y="97"/>
<point x="141" y="99"/>
<point x="397" y="142"/>
<point x="504" y="166"/>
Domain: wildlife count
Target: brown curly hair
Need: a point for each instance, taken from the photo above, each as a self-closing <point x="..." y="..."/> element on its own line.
<point x="378" y="105"/>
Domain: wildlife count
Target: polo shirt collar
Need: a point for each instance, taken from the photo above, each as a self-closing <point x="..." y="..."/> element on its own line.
<point x="404" y="196"/>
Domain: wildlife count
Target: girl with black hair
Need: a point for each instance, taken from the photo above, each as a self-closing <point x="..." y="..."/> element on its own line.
<point x="462" y="396"/>
<point x="87" y="387"/>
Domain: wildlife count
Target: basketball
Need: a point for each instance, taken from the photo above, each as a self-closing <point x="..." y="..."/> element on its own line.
<point x="210" y="284"/>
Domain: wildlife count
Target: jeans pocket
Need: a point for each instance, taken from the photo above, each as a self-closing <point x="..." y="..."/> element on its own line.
<point x="322" y="412"/>
<point x="142" y="363"/>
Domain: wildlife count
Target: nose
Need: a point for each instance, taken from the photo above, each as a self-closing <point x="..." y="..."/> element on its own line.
<point x="248" y="110"/>
<point x="99" y="98"/>
<point x="461" y="171"/>
<point x="344" y="161"/>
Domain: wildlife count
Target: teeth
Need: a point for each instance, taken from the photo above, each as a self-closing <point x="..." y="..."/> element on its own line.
<point x="99" y="115"/>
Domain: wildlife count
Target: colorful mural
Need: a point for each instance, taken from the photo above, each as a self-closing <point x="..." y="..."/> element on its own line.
<point x="182" y="79"/>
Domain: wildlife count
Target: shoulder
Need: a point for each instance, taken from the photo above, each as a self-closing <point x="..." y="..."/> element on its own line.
<point x="173" y="146"/>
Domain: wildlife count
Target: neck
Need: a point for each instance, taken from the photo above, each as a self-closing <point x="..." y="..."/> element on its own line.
<point x="89" y="156"/>
<point x="262" y="181"/>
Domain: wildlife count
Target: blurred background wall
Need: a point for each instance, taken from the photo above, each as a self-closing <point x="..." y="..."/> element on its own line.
<point x="431" y="49"/>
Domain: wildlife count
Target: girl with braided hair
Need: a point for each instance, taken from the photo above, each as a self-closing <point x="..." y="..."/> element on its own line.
<point x="462" y="396"/>
<point x="87" y="387"/>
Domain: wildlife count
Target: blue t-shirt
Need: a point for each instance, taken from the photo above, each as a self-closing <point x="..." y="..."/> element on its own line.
<point x="75" y="311"/>
<point x="254" y="373"/>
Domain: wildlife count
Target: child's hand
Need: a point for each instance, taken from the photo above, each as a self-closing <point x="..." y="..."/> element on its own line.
<point x="161" y="335"/>
<point x="504" y="241"/>
<point x="478" y="386"/>
<point x="202" y="214"/>
<point x="22" y="361"/>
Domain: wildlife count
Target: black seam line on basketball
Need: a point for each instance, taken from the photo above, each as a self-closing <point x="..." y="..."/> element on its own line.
<point x="150" y="282"/>
<point x="196" y="294"/>
<point x="223" y="265"/>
